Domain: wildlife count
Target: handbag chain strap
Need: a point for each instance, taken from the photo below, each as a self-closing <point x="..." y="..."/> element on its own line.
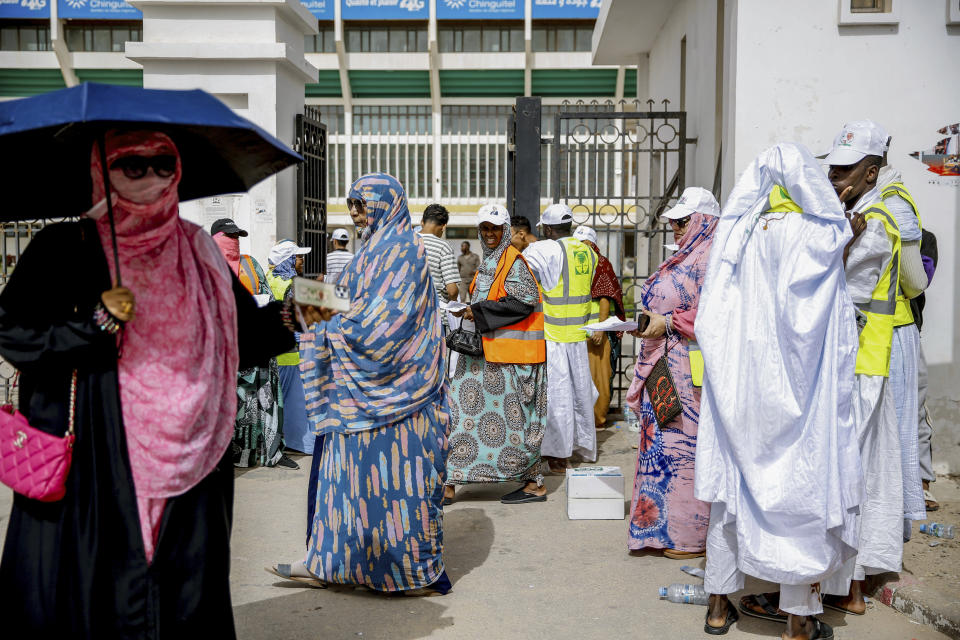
<point x="73" y="403"/>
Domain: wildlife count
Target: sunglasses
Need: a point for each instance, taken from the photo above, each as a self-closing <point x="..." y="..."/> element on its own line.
<point x="135" y="167"/>
<point x="682" y="222"/>
<point x="353" y="202"/>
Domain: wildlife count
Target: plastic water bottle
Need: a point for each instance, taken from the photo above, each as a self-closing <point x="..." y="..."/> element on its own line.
<point x="685" y="593"/>
<point x="938" y="530"/>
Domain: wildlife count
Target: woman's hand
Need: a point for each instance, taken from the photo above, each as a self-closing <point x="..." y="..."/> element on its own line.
<point x="657" y="327"/>
<point x="597" y="338"/>
<point x="120" y="302"/>
<point x="466" y="314"/>
<point x="311" y="314"/>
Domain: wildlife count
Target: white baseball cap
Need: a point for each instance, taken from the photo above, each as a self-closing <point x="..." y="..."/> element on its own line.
<point x="583" y="232"/>
<point x="284" y="249"/>
<point x="340" y="234"/>
<point x="556" y="214"/>
<point x="855" y="141"/>
<point x="494" y="214"/>
<point x="692" y="200"/>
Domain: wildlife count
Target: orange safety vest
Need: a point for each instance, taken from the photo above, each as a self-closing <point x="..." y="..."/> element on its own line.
<point x="521" y="342"/>
<point x="248" y="275"/>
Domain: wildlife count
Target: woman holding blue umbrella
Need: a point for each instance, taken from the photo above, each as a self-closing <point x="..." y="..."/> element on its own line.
<point x="144" y="374"/>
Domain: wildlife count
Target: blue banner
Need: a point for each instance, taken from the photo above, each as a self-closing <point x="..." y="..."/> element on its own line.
<point x="97" y="10"/>
<point x="479" y="9"/>
<point x="24" y="8"/>
<point x="323" y="9"/>
<point x="566" y="9"/>
<point x="385" y="9"/>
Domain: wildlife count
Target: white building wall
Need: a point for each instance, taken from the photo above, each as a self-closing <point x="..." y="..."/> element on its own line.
<point x="695" y="19"/>
<point x="798" y="76"/>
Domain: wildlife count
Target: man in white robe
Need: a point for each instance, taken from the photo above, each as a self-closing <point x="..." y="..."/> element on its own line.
<point x="855" y="172"/>
<point x="571" y="393"/>
<point x="777" y="453"/>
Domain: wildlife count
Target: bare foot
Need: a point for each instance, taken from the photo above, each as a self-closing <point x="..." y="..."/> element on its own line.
<point x="532" y="488"/>
<point x="853" y="602"/>
<point x="717" y="615"/>
<point x="449" y="491"/>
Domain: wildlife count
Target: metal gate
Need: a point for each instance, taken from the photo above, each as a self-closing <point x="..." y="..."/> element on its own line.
<point x="14" y="237"/>
<point x="617" y="166"/>
<point x="311" y="143"/>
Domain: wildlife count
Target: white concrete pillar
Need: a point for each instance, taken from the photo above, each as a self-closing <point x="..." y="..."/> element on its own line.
<point x="249" y="54"/>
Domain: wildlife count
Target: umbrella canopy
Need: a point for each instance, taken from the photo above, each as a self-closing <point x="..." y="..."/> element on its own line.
<point x="45" y="144"/>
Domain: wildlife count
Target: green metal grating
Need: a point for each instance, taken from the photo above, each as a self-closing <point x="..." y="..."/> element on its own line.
<point x="390" y="84"/>
<point x="481" y="83"/>
<point x="574" y="82"/>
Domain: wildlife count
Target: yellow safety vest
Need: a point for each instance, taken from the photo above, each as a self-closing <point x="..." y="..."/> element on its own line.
<point x="567" y="307"/>
<point x="904" y="314"/>
<point x="876" y="338"/>
<point x="279" y="288"/>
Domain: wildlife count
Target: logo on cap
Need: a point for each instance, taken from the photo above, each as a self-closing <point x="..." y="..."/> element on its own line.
<point x="847" y="140"/>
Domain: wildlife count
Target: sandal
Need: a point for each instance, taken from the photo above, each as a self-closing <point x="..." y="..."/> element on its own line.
<point x="732" y="617"/>
<point x="821" y="630"/>
<point x="830" y="605"/>
<point x="674" y="554"/>
<point x="520" y="496"/>
<point x="931" y="502"/>
<point x="285" y="571"/>
<point x="770" y="612"/>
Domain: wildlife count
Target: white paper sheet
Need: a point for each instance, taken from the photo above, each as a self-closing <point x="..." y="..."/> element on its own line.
<point x="613" y="323"/>
<point x="453" y="305"/>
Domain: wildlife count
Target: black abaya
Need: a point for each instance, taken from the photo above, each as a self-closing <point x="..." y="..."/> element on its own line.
<point x="76" y="568"/>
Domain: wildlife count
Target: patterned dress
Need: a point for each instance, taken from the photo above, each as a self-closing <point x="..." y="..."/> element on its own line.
<point x="664" y="514"/>
<point x="498" y="410"/>
<point x="375" y="389"/>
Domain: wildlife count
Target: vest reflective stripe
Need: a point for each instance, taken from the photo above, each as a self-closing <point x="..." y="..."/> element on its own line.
<point x="904" y="314"/>
<point x="521" y="342"/>
<point x="876" y="339"/>
<point x="568" y="306"/>
<point x="279" y="288"/>
<point x="248" y="275"/>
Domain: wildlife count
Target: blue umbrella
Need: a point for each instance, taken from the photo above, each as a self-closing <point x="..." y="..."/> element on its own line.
<point x="45" y="144"/>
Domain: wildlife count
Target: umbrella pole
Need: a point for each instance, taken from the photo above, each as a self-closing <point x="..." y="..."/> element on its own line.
<point x="106" y="188"/>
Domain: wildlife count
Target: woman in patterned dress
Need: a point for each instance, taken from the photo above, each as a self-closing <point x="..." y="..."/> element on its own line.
<point x="664" y="514"/>
<point x="498" y="409"/>
<point x="375" y="389"/>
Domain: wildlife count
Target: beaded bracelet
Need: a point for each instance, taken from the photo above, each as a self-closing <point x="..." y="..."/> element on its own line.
<point x="105" y="319"/>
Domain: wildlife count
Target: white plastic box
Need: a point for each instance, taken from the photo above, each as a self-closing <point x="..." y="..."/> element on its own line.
<point x="595" y="493"/>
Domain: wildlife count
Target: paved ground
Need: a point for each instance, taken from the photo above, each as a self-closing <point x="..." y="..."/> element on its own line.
<point x="518" y="572"/>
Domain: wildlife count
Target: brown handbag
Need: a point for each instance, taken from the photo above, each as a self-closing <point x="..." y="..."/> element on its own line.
<point x="663" y="392"/>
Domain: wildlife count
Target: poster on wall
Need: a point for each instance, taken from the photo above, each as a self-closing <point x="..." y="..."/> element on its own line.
<point x="480" y="9"/>
<point x="566" y="9"/>
<point x="322" y="9"/>
<point x="943" y="158"/>
<point x="385" y="9"/>
<point x="24" y="9"/>
<point x="97" y="10"/>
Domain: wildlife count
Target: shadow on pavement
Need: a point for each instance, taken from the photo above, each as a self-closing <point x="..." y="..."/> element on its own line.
<point x="467" y="539"/>
<point x="334" y="614"/>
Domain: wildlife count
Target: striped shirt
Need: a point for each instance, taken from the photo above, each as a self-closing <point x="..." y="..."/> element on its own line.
<point x="443" y="266"/>
<point x="336" y="261"/>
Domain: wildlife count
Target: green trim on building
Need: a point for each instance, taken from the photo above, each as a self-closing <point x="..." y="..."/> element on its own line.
<point x="571" y="83"/>
<point x="390" y="84"/>
<point x="124" y="77"/>
<point x="630" y="84"/>
<point x="327" y="86"/>
<point x="456" y="83"/>
<point x="21" y="83"/>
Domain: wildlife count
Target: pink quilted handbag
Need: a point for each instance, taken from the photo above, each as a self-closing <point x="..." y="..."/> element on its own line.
<point x="33" y="462"/>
